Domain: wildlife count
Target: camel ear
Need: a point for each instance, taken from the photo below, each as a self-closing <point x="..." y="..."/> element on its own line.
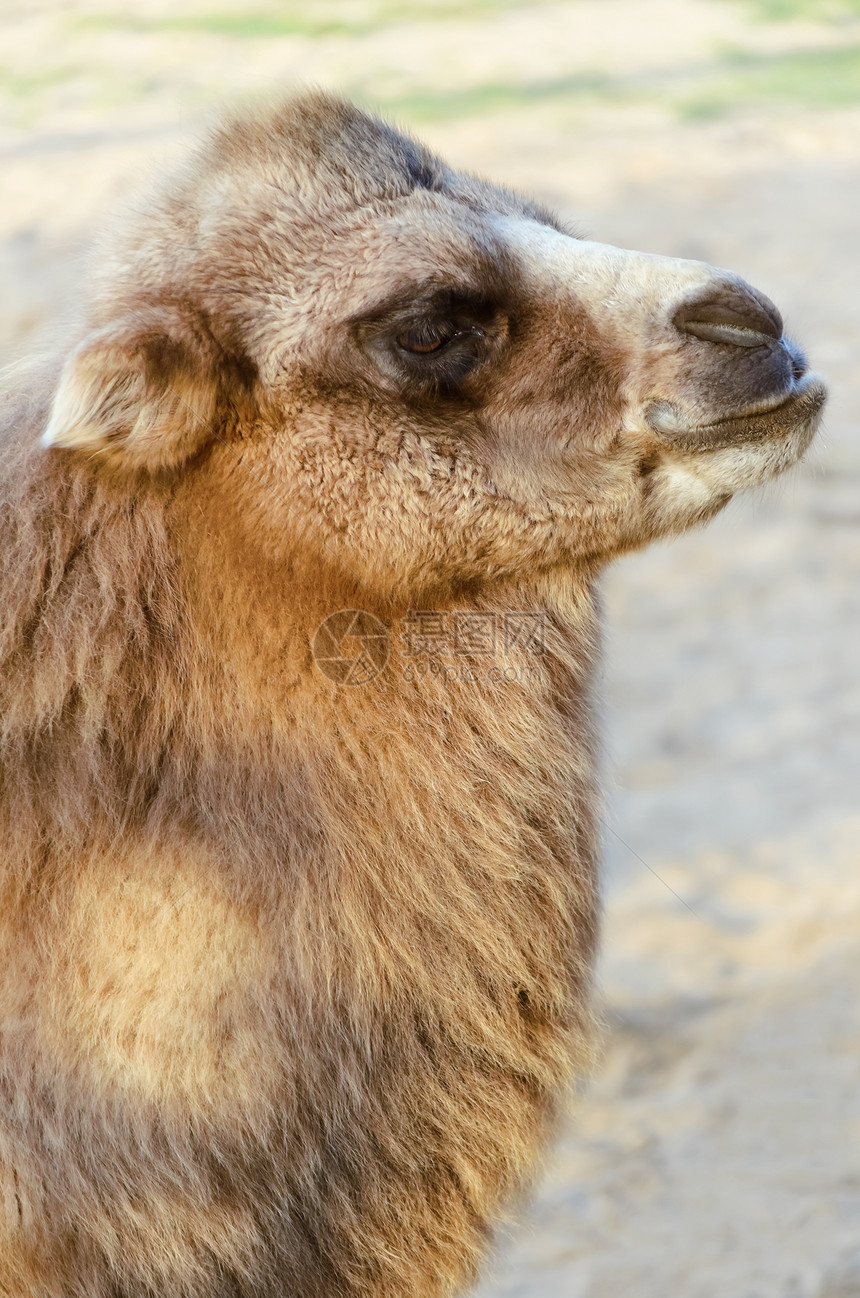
<point x="143" y="390"/>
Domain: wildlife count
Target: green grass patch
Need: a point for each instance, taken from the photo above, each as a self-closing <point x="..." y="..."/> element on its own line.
<point x="817" y="10"/>
<point x="235" y="24"/>
<point x="300" y="19"/>
<point x="20" y="85"/>
<point x="808" y="78"/>
<point x="733" y="81"/>
<point x="468" y="101"/>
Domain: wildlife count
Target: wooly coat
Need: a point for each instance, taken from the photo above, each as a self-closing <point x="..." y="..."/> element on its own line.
<point x="296" y="937"/>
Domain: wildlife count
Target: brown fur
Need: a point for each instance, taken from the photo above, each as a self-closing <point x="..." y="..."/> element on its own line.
<point x="293" y="977"/>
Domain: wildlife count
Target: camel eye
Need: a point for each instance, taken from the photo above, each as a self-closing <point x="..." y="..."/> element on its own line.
<point x="424" y="339"/>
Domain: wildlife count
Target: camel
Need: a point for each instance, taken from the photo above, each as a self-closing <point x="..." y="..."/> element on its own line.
<point x="300" y="542"/>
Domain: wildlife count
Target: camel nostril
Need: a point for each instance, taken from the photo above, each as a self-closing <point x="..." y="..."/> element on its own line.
<point x="731" y="313"/>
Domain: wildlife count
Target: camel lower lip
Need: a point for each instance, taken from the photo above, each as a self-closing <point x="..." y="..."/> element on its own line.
<point x="807" y="395"/>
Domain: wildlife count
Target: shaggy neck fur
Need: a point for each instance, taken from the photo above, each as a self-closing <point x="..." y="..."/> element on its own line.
<point x="314" y="904"/>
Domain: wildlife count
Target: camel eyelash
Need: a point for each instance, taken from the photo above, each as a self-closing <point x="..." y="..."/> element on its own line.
<point x="425" y="339"/>
<point x="429" y="342"/>
<point x="436" y="357"/>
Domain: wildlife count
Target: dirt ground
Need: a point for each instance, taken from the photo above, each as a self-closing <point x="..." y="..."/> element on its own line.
<point x="716" y="1151"/>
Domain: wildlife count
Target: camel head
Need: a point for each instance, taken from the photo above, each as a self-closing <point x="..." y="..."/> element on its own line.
<point x="424" y="377"/>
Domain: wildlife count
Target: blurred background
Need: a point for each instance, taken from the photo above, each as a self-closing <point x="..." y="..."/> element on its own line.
<point x="716" y="1151"/>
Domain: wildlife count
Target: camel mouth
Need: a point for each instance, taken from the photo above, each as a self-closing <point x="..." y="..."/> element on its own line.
<point x="803" y="380"/>
<point x="795" y="411"/>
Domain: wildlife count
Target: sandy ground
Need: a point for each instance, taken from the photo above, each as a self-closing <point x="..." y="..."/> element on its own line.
<point x="716" y="1151"/>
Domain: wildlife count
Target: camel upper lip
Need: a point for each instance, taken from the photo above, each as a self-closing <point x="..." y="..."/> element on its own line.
<point x="799" y="388"/>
